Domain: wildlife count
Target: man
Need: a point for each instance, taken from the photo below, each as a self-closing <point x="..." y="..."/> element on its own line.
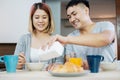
<point x="89" y="37"/>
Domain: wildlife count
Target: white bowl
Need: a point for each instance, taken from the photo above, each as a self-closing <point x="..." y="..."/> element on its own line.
<point x="35" y="66"/>
<point x="108" y="66"/>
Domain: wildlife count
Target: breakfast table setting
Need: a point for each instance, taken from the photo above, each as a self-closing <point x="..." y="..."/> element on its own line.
<point x="70" y="70"/>
<point x="105" y="73"/>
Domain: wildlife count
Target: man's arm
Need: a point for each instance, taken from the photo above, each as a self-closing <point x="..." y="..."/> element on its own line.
<point x="93" y="39"/>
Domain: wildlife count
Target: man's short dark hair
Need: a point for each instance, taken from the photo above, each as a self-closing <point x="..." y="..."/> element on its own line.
<point x="75" y="2"/>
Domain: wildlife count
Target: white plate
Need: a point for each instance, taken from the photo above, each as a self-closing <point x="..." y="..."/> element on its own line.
<point x="74" y="74"/>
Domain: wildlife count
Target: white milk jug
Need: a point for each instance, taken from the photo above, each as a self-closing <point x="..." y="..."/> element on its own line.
<point x="55" y="50"/>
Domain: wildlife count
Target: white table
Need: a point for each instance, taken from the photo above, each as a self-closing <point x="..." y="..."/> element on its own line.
<point x="44" y="75"/>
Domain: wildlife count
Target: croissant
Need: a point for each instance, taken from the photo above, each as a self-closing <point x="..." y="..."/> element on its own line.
<point x="58" y="68"/>
<point x="67" y="67"/>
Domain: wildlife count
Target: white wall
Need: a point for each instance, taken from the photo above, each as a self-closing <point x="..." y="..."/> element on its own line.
<point x="14" y="16"/>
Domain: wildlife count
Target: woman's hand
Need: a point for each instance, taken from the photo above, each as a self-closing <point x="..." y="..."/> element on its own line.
<point x="21" y="61"/>
<point x="49" y="67"/>
<point x="52" y="66"/>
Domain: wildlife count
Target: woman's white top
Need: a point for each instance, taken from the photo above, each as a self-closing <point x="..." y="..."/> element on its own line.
<point x="35" y="55"/>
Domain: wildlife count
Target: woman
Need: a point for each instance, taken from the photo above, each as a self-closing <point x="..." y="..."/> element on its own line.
<point x="41" y="27"/>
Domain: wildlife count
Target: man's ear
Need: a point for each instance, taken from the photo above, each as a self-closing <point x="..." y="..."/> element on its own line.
<point x="87" y="10"/>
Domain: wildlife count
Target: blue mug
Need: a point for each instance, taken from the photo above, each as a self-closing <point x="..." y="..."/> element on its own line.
<point x="94" y="62"/>
<point x="10" y="62"/>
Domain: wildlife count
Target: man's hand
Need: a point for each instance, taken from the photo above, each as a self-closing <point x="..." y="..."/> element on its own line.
<point x="61" y="39"/>
<point x="85" y="65"/>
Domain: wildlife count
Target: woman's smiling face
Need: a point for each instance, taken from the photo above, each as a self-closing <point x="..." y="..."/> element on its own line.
<point x="40" y="20"/>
